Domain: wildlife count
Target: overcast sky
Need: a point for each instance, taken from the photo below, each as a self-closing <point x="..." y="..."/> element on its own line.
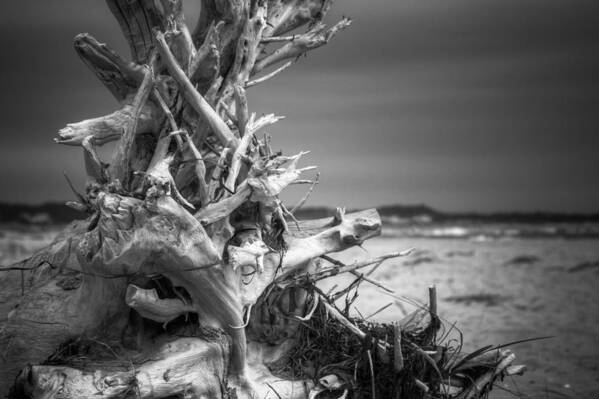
<point x="461" y="104"/>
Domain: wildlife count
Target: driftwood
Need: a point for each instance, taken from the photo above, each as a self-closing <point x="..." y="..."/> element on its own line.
<point x="166" y="289"/>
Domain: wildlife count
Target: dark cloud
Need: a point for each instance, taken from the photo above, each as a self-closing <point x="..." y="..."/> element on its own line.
<point x="468" y="104"/>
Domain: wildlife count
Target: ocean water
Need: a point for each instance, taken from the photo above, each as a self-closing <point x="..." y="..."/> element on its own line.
<point x="395" y="227"/>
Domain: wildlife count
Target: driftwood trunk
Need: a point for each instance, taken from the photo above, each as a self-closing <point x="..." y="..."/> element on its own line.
<point x="188" y="278"/>
<point x="186" y="231"/>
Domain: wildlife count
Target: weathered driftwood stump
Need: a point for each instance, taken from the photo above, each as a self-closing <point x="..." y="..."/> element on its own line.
<point x="190" y="278"/>
<point x="185" y="228"/>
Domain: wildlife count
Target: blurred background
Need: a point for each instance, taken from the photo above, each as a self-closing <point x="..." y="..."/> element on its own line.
<point x="468" y="105"/>
<point x="484" y="111"/>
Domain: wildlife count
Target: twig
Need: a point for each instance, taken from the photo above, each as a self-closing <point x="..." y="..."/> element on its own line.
<point x="318" y="36"/>
<point x="372" y="384"/>
<point x="274" y="390"/>
<point x="311" y="312"/>
<point x="515" y="370"/>
<point x="262" y="122"/>
<point x="269" y="75"/>
<point x="432" y="295"/>
<point x="343" y="320"/>
<point x="345" y="291"/>
<point x="359" y="313"/>
<point x="401" y="307"/>
<point x="290" y="215"/>
<point x="227" y="111"/>
<point x="362" y="276"/>
<point x="376" y="266"/>
<point x="319" y="275"/>
<point x="378" y="311"/>
<point x="301" y="181"/>
<point x="426" y="357"/>
<point x="236" y="161"/>
<point x="247" y="319"/>
<point x="478" y="387"/>
<point x="10" y="268"/>
<point x="278" y="212"/>
<point x="200" y="168"/>
<point x="72" y="187"/>
<point x="306" y="196"/>
<point x="165" y="109"/>
<point x="421" y="385"/>
<point x="397" y="355"/>
<point x="216" y="173"/>
<point x="274" y="39"/>
<point x="330" y="291"/>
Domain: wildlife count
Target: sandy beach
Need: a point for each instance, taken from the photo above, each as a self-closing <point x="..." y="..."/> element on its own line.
<point x="496" y="291"/>
<point x="499" y="291"/>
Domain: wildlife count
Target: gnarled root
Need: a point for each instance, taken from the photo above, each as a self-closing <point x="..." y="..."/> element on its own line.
<point x="187" y="366"/>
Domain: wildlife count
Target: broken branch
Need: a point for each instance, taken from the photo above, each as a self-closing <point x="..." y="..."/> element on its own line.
<point x="195" y="99"/>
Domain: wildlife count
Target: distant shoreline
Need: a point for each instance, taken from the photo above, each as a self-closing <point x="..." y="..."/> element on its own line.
<point x="58" y="213"/>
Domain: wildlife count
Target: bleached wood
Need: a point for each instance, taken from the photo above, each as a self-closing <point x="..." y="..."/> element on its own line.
<point x="193" y="155"/>
<point x="217" y="173"/>
<point x="236" y="161"/>
<point x="110" y="127"/>
<point x="346" y="234"/>
<point x="241" y="109"/>
<point x="120" y="166"/>
<point x="186" y="366"/>
<point x="149" y="305"/>
<point x="216" y="211"/>
<point x="482" y="383"/>
<point x="172" y="138"/>
<point x="219" y="127"/>
<point x="313" y="226"/>
<point x="318" y="36"/>
<point x="285" y="16"/>
<point x="269" y="75"/>
<point x="138" y="19"/>
<point x="119" y="76"/>
<point x="334" y="313"/>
